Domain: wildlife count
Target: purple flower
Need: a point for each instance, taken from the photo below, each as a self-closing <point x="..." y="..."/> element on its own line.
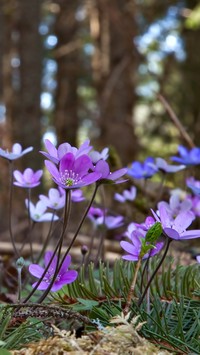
<point x="55" y="199"/>
<point x="16" y="152"/>
<point x="142" y="170"/>
<point x="55" y="155"/>
<point x="175" y="228"/>
<point x="102" y="168"/>
<point x="198" y="258"/>
<point x="175" y="205"/>
<point x="96" y="156"/>
<point x="134" y="247"/>
<point x="187" y="157"/>
<point x="195" y="204"/>
<point x="194" y="185"/>
<point x="98" y="217"/>
<point x="127" y="195"/>
<point x="64" y="276"/>
<point x="148" y="223"/>
<point x="164" y="167"/>
<point x="38" y="212"/>
<point x="28" y="179"/>
<point x="73" y="173"/>
<point x="77" y="196"/>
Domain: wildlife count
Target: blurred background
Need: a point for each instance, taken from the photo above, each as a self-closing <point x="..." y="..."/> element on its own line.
<point x="73" y="69"/>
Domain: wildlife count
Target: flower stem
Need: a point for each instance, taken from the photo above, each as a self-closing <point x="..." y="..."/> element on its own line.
<point x="58" y="246"/>
<point x="65" y="223"/>
<point x="132" y="288"/>
<point x="10" y="210"/>
<point x="155" y="271"/>
<point x="80" y="225"/>
<point x="47" y="239"/>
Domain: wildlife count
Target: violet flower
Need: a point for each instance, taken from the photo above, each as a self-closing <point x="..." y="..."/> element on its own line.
<point x="38" y="212"/>
<point x="96" y="156"/>
<point x="164" y="167"/>
<point x="175" y="228"/>
<point x="127" y="195"/>
<point x="55" y="199"/>
<point x="198" y="258"/>
<point x="98" y="217"/>
<point x="175" y="205"/>
<point x="103" y="169"/>
<point x="195" y="201"/>
<point x="64" y="276"/>
<point x="187" y="157"/>
<point x="73" y="173"/>
<point x="77" y="196"/>
<point x="55" y="155"/>
<point x="194" y="185"/>
<point x="16" y="152"/>
<point x="143" y="170"/>
<point x="134" y="247"/>
<point x="27" y="179"/>
<point x="148" y="223"/>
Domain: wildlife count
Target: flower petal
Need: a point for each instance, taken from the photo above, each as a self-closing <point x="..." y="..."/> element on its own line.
<point x="130" y="248"/>
<point x="65" y="264"/>
<point x="36" y="270"/>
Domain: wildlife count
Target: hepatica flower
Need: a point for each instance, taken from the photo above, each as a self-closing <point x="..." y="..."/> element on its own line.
<point x="175" y="228"/>
<point x="77" y="196"/>
<point x="175" y="205"/>
<point x="134" y="246"/>
<point x="195" y="205"/>
<point x="164" y="167"/>
<point x="96" y="156"/>
<point x="73" y="173"/>
<point x="15" y="153"/>
<point x="127" y="195"/>
<point x="38" y="212"/>
<point x="27" y="179"/>
<point x="64" y="276"/>
<point x="194" y="185"/>
<point x="55" y="155"/>
<point x="143" y="170"/>
<point x="98" y="217"/>
<point x="187" y="157"/>
<point x="106" y="176"/>
<point x="55" y="199"/>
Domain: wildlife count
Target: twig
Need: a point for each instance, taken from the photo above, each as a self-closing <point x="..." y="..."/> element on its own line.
<point x="42" y="311"/>
<point x="176" y="121"/>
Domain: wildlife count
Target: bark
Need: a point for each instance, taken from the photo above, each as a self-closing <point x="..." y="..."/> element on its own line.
<point x="21" y="91"/>
<point x="114" y="65"/>
<point x="30" y="53"/>
<point x="67" y="57"/>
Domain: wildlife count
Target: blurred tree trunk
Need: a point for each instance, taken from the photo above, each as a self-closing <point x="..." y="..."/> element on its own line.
<point x="67" y="57"/>
<point x="114" y="66"/>
<point x="22" y="66"/>
<point x="30" y="53"/>
<point x="190" y="83"/>
<point x="22" y="75"/>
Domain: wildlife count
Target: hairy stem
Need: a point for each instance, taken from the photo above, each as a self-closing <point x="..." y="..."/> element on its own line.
<point x="10" y="210"/>
<point x="155" y="271"/>
<point x="132" y="288"/>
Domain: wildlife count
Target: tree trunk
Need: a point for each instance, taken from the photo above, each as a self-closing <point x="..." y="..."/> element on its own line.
<point x="30" y="53"/>
<point x="67" y="57"/>
<point x="114" y="65"/>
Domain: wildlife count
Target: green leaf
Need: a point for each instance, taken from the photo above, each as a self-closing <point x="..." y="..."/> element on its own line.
<point x="154" y="233"/>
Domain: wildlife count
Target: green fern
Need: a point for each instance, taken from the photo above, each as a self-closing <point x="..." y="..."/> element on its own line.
<point x="173" y="320"/>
